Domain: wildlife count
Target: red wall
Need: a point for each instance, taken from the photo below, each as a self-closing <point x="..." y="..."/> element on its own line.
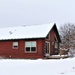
<point x="52" y="41"/>
<point x="7" y="50"/>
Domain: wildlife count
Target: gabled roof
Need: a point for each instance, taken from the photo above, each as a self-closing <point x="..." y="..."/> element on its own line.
<point x="25" y="32"/>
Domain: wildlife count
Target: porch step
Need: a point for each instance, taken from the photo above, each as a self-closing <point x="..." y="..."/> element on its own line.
<point x="56" y="56"/>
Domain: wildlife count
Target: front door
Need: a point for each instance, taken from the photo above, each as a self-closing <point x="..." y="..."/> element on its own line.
<point x="47" y="47"/>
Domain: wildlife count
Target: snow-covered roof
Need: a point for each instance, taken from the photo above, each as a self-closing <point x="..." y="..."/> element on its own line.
<point x="24" y="32"/>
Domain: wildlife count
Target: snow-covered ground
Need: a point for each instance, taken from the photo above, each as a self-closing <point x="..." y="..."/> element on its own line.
<point x="37" y="67"/>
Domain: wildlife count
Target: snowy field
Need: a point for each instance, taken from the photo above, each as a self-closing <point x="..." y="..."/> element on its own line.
<point x="37" y="67"/>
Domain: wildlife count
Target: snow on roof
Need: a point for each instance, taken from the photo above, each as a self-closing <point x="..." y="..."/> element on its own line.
<point x="24" y="32"/>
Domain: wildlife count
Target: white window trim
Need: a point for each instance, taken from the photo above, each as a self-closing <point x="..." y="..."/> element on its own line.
<point x="13" y="45"/>
<point x="30" y="48"/>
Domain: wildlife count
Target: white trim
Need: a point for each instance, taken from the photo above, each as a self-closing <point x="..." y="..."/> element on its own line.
<point x="30" y="50"/>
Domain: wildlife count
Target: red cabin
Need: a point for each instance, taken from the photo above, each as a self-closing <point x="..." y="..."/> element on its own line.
<point x="30" y="41"/>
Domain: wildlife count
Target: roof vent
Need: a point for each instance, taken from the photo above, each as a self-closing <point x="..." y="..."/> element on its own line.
<point x="10" y="32"/>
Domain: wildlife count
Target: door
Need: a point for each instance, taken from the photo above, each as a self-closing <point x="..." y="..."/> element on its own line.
<point x="48" y="48"/>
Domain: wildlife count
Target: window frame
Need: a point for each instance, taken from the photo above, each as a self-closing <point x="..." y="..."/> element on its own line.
<point x="14" y="45"/>
<point x="31" y="47"/>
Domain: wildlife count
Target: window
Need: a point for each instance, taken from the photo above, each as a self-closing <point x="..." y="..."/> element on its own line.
<point x="56" y="45"/>
<point x="15" y="45"/>
<point x="30" y="46"/>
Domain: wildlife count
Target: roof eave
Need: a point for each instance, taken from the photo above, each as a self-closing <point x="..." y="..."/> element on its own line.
<point x="22" y="38"/>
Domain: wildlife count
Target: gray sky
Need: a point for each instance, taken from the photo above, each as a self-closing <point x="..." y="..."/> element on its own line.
<point x="28" y="12"/>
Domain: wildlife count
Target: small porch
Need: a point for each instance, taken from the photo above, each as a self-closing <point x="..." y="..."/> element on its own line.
<point x="62" y="54"/>
<point x="56" y="56"/>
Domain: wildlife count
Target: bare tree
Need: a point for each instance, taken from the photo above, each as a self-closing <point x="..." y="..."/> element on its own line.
<point x="67" y="33"/>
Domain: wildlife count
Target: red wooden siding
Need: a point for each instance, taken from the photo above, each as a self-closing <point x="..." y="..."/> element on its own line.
<point x="52" y="39"/>
<point x="7" y="50"/>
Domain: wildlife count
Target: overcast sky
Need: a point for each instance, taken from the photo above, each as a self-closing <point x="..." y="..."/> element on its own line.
<point x="28" y="12"/>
